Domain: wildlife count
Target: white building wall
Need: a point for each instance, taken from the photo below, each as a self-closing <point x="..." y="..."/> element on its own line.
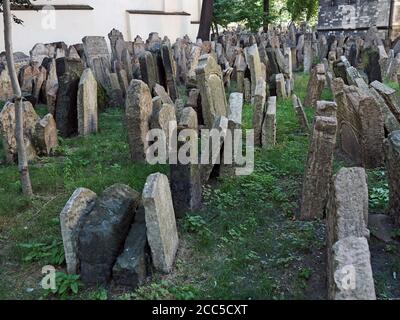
<point x="72" y="25"/>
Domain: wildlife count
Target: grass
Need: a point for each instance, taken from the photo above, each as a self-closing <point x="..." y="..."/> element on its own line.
<point x="246" y="242"/>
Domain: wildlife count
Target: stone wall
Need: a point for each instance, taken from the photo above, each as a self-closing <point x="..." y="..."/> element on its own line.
<point x="356" y="16"/>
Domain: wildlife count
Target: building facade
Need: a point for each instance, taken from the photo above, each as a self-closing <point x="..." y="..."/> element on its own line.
<point x="71" y="20"/>
<point x="356" y="16"/>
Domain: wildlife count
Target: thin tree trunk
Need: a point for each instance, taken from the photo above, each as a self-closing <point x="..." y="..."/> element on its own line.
<point x="266" y="14"/>
<point x="207" y="10"/>
<point x="19" y="127"/>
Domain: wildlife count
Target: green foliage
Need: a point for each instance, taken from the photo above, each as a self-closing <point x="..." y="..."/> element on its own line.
<point x="52" y="254"/>
<point x="163" y="290"/>
<point x="66" y="285"/>
<point x="99" y="294"/>
<point x="378" y="189"/>
<point x="249" y="13"/>
<point x="302" y="10"/>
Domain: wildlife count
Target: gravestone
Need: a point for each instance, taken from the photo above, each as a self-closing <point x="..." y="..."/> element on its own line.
<point x="130" y="269"/>
<point x="98" y="59"/>
<point x="138" y="111"/>
<point x="392" y="156"/>
<point x="254" y="64"/>
<point x="104" y="231"/>
<point x="52" y="87"/>
<point x="318" y="171"/>
<point x="45" y="137"/>
<point x="269" y="125"/>
<point x="148" y="69"/>
<point x="67" y="98"/>
<point x="72" y="218"/>
<point x="260" y="96"/>
<point x="185" y="177"/>
<point x="6" y="91"/>
<point x="212" y="91"/>
<point x="170" y="70"/>
<point x="390" y="96"/>
<point x="347" y="233"/>
<point x="315" y="86"/>
<point x="162" y="233"/>
<point x="87" y="104"/>
<point x="7" y="130"/>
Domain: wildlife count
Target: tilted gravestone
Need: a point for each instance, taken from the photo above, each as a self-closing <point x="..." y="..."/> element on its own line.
<point x="392" y="151"/>
<point x="87" y="104"/>
<point x="260" y="96"/>
<point x="138" y="110"/>
<point x="211" y="86"/>
<point x="160" y="222"/>
<point x="318" y="171"/>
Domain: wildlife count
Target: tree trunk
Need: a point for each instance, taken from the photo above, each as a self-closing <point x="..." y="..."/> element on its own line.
<point x="266" y="14"/>
<point x="19" y="127"/>
<point x="206" y="20"/>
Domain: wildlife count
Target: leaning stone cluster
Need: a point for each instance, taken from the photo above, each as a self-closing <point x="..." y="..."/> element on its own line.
<point x="120" y="236"/>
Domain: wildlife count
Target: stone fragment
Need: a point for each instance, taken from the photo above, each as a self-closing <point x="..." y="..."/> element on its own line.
<point x="130" y="269"/>
<point x="45" y="136"/>
<point x="104" y="231"/>
<point x="72" y="218"/>
<point x="162" y="233"/>
<point x="392" y="156"/>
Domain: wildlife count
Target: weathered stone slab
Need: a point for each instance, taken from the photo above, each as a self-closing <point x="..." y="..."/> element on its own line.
<point x="347" y="208"/>
<point x="6" y="91"/>
<point x="254" y="64"/>
<point x="104" y="231"/>
<point x="87" y="104"/>
<point x="130" y="269"/>
<point x="52" y="87"/>
<point x="318" y="171"/>
<point x="352" y="255"/>
<point x="164" y="119"/>
<point x="45" y="137"/>
<point x="138" y="111"/>
<point x="216" y="142"/>
<point x="280" y="85"/>
<point x="170" y="70"/>
<point x="160" y="92"/>
<point x="72" y="218"/>
<point x="260" y="96"/>
<point x="390" y="97"/>
<point x="392" y="152"/>
<point x="67" y="110"/>
<point x="148" y="69"/>
<point x="210" y="83"/>
<point x="7" y="130"/>
<point x="315" y="86"/>
<point x="269" y="125"/>
<point x="162" y="233"/>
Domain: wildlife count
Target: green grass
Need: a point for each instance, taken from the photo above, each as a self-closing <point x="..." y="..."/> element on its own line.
<point x="246" y="242"/>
